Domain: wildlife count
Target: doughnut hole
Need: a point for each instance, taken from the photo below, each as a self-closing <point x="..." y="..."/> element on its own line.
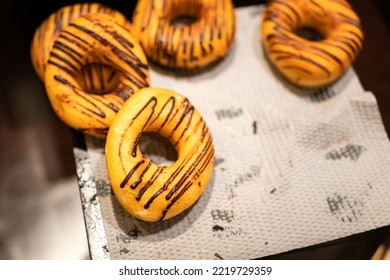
<point x="309" y="33"/>
<point x="183" y="20"/>
<point x="312" y="27"/>
<point x="185" y="15"/>
<point x="98" y="78"/>
<point x="157" y="148"/>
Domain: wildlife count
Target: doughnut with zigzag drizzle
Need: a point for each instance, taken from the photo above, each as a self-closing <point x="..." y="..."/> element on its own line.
<point x="311" y="63"/>
<point x="204" y="40"/>
<point x="153" y="192"/>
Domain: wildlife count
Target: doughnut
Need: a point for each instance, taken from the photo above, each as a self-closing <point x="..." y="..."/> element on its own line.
<point x="170" y="41"/>
<point x="48" y="31"/>
<point x="98" y="40"/>
<point x="148" y="191"/>
<point x="311" y="63"/>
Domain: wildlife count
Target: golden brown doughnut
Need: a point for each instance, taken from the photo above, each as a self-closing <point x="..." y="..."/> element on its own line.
<point x="197" y="44"/>
<point x="93" y="39"/>
<point x="48" y="31"/>
<point x="148" y="191"/>
<point x="308" y="63"/>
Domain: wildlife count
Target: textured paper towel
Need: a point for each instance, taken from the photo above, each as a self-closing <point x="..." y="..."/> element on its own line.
<point x="293" y="167"/>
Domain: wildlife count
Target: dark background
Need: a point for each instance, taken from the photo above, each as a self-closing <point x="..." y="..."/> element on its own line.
<point x="24" y="106"/>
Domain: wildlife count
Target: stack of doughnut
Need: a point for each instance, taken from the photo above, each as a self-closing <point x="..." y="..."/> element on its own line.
<point x="90" y="64"/>
<point x="96" y="76"/>
<point x="311" y="63"/>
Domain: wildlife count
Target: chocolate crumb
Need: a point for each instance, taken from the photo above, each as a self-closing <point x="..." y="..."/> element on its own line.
<point x="218" y="256"/>
<point x="254" y="124"/>
<point x="217" y="227"/>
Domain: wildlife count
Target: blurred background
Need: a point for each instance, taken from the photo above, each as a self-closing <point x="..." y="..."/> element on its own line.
<point x="40" y="208"/>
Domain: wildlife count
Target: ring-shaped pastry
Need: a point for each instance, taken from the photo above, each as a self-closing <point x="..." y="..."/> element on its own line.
<point x="93" y="38"/>
<point x="311" y="63"/>
<point x="49" y="30"/>
<point x="148" y="191"/>
<point x="205" y="39"/>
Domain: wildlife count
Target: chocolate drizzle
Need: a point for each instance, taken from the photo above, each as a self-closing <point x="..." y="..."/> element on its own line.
<point x="124" y="182"/>
<point x="98" y="112"/>
<point x="282" y="55"/>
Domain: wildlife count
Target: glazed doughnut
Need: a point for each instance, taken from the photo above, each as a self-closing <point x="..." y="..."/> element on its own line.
<point x="311" y="63"/>
<point x="48" y="31"/>
<point x="197" y="44"/>
<point x="153" y="192"/>
<point x="97" y="39"/>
